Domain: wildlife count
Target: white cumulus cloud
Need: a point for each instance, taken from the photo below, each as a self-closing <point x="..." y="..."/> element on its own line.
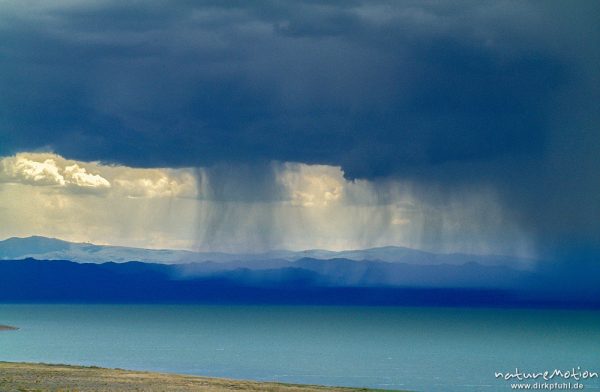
<point x="79" y="176"/>
<point x="64" y="175"/>
<point x="157" y="183"/>
<point x="21" y="169"/>
<point x="49" y="170"/>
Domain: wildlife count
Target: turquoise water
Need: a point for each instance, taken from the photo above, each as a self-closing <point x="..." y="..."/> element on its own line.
<point x="423" y="349"/>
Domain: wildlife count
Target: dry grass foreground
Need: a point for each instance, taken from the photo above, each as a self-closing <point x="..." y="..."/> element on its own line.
<point x="28" y="377"/>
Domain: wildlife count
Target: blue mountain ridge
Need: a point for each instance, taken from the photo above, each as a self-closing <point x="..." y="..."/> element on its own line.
<point x="306" y="281"/>
<point x="43" y="248"/>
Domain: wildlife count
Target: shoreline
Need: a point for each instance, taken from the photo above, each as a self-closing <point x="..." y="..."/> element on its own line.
<point x="51" y="377"/>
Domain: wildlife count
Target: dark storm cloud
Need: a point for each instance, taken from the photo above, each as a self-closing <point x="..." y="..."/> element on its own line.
<point x="374" y="87"/>
<point x="449" y="93"/>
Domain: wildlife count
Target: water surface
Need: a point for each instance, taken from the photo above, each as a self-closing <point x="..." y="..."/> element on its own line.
<point x="424" y="349"/>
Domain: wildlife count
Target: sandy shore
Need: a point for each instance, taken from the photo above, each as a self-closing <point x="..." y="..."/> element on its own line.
<point x="28" y="377"/>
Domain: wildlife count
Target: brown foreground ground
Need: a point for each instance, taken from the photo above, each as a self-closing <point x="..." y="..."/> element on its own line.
<point x="29" y="377"/>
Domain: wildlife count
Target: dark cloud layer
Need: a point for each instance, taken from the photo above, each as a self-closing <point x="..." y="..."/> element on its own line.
<point x="501" y="93"/>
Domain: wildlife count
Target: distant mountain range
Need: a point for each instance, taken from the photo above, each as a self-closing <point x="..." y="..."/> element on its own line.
<point x="43" y="248"/>
<point x="303" y="282"/>
<point x="64" y="281"/>
<point x="38" y="269"/>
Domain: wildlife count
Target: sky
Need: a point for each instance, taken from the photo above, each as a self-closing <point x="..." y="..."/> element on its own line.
<point x="458" y="126"/>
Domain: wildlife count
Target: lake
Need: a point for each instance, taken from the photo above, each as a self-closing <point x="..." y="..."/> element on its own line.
<point x="423" y="349"/>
